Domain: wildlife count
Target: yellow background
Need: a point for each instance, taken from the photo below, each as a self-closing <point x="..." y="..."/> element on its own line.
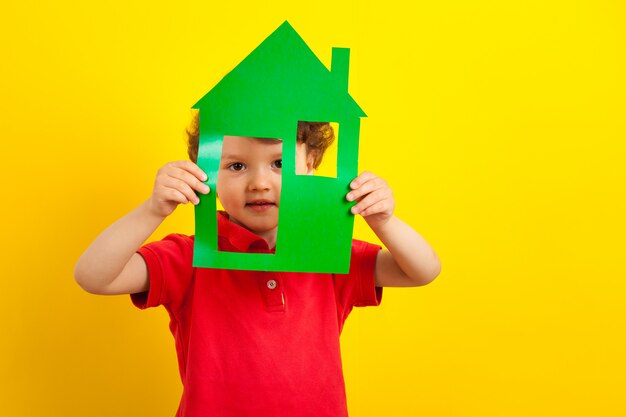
<point x="500" y="126"/>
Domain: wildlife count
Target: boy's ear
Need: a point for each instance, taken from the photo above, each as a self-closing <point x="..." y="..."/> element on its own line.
<point x="310" y="161"/>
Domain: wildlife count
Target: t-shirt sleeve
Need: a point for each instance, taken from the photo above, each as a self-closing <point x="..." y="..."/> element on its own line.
<point x="170" y="272"/>
<point x="358" y="288"/>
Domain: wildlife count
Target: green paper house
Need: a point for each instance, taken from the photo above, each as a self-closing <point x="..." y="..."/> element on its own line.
<point x="280" y="83"/>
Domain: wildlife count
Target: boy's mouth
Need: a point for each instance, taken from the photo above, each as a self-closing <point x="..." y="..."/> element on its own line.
<point x="260" y="205"/>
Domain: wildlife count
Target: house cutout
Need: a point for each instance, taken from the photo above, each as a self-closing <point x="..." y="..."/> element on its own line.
<point x="278" y="84"/>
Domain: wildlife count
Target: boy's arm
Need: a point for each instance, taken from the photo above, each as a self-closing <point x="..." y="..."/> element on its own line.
<point x="409" y="260"/>
<point x="111" y="265"/>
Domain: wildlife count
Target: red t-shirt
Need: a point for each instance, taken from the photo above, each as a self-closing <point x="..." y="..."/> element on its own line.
<point x="253" y="343"/>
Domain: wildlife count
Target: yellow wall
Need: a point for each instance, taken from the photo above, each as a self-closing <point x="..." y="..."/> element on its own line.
<point x="500" y="126"/>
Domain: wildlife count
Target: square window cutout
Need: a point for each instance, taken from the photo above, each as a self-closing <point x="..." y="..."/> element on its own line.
<point x="325" y="137"/>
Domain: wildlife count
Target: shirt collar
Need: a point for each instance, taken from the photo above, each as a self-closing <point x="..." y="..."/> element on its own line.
<point x="238" y="236"/>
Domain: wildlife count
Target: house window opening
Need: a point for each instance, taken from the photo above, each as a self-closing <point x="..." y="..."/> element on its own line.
<point x="249" y="181"/>
<point x="322" y="143"/>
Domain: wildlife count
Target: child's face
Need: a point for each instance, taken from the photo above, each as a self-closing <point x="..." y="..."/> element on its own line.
<point x="249" y="182"/>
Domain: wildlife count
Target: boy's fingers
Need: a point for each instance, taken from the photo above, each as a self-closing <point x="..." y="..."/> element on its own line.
<point x="379" y="207"/>
<point x="190" y="167"/>
<point x="182" y="187"/>
<point x="361" y="179"/>
<point x="371" y="200"/>
<point x="170" y="194"/>
<point x="190" y="179"/>
<point x="366" y="188"/>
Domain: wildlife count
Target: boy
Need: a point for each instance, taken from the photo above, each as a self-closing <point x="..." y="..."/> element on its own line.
<point x="253" y="343"/>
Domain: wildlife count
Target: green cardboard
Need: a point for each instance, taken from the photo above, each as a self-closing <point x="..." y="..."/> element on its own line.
<point x="280" y="83"/>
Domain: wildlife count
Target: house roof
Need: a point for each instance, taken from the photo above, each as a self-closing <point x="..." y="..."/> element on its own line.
<point x="281" y="78"/>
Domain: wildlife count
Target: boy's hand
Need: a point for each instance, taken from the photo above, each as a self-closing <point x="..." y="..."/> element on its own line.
<point x="374" y="198"/>
<point x="175" y="184"/>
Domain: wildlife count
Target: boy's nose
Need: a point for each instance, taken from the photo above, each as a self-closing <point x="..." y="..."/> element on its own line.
<point x="259" y="181"/>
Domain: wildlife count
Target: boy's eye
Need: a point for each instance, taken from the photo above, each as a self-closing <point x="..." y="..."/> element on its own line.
<point x="278" y="163"/>
<point x="237" y="166"/>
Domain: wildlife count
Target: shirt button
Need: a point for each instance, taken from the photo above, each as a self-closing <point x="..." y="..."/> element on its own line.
<point x="271" y="284"/>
